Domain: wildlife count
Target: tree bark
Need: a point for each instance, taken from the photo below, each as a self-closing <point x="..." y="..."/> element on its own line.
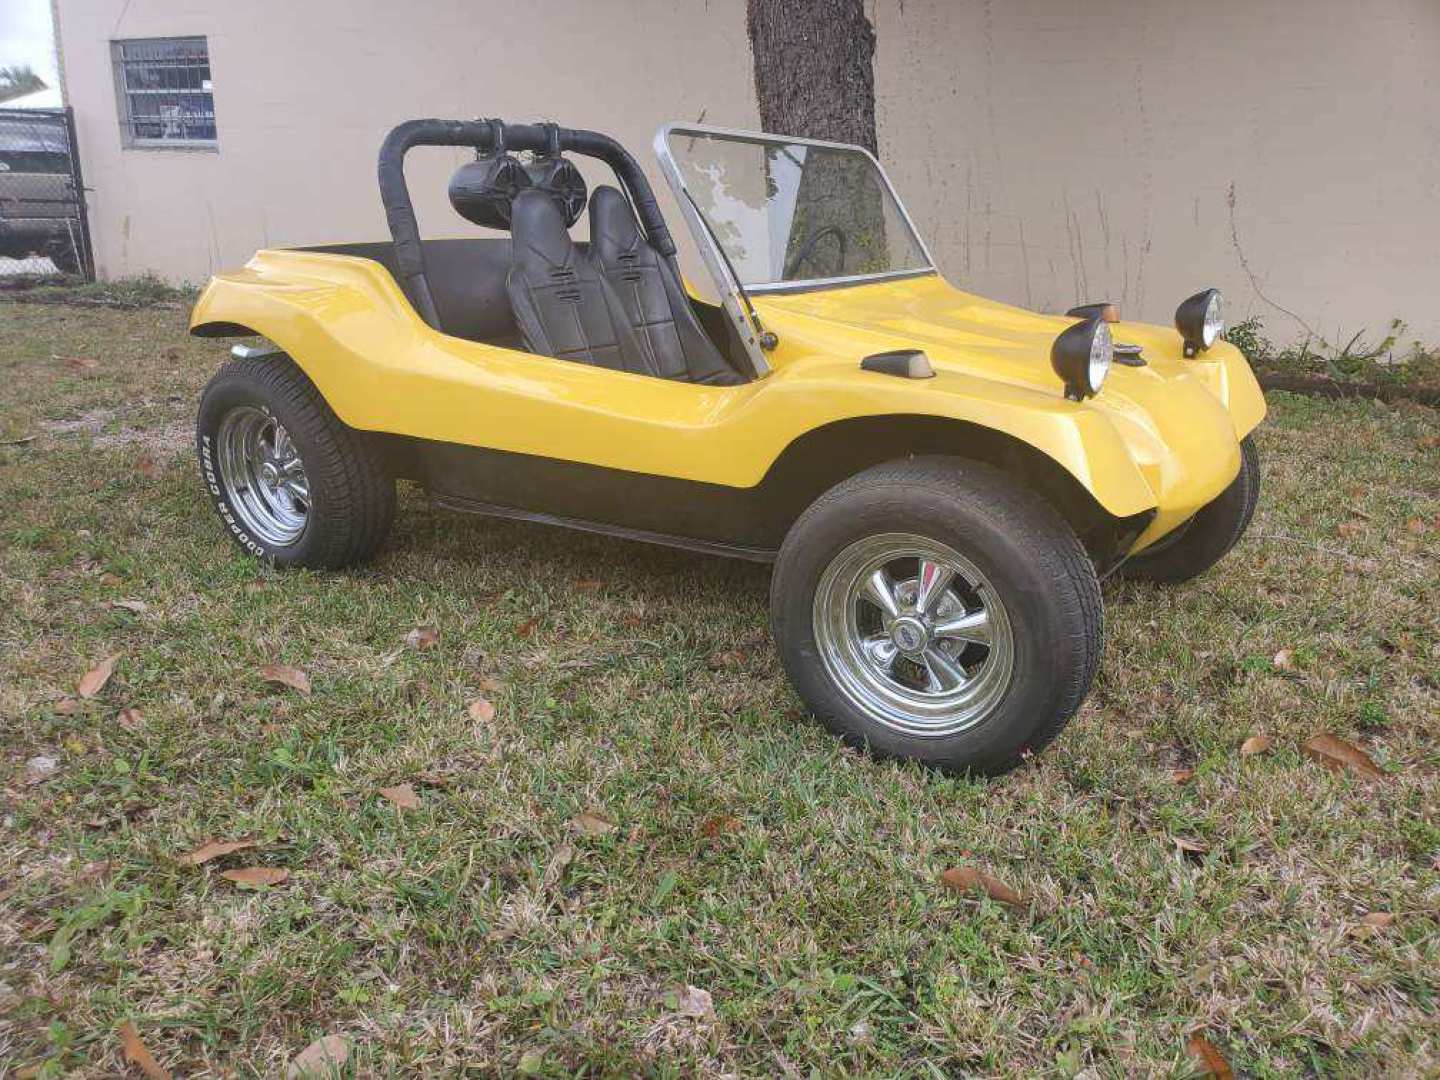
<point x="814" y="72"/>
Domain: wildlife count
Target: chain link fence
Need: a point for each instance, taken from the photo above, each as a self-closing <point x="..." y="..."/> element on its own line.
<point x="43" y="228"/>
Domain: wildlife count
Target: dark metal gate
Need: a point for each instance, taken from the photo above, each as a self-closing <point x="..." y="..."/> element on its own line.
<point x="44" y="231"/>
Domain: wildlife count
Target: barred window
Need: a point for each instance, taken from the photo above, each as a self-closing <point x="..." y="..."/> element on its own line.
<point x="165" y="93"/>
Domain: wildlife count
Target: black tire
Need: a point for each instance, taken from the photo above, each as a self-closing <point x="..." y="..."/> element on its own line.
<point x="1206" y="539"/>
<point x="1033" y="561"/>
<point x="352" y="494"/>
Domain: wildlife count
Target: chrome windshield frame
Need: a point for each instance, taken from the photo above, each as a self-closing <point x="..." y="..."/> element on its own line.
<point x="705" y="238"/>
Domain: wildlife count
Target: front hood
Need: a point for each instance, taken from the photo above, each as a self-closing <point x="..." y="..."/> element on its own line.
<point x="1173" y="414"/>
<point x="965" y="333"/>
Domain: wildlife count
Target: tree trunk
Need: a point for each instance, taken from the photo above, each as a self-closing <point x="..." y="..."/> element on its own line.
<point x="814" y="75"/>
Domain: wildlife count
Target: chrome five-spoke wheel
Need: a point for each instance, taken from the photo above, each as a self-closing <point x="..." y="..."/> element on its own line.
<point x="913" y="634"/>
<point x="263" y="475"/>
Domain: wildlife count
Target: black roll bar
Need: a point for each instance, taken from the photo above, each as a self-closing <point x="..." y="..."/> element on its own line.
<point x="480" y="134"/>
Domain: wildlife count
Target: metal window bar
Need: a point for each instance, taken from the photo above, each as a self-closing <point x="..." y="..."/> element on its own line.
<point x="165" y="86"/>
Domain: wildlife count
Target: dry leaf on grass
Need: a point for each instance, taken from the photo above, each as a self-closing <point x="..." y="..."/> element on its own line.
<point x="69" y="706"/>
<point x="39" y="769"/>
<point x="589" y="585"/>
<point x="137" y="1054"/>
<point x="1209" y="1060"/>
<point x="292" y="677"/>
<point x="1337" y="754"/>
<point x="94" y="680"/>
<point x="527" y="628"/>
<point x="1416" y="526"/>
<point x="966" y="879"/>
<point x="481" y="711"/>
<point x="147" y="467"/>
<point x="1187" y="846"/>
<point x="130" y="719"/>
<point x="490" y="685"/>
<point x="592" y="824"/>
<point x="721" y="823"/>
<point x="1284" y="660"/>
<point x="563" y="857"/>
<point x="1255" y="744"/>
<point x="256" y="875"/>
<point x="77" y="363"/>
<point x="139" y="607"/>
<point x="1378" y="919"/>
<point x="696" y="1003"/>
<point x="423" y="637"/>
<point x="1181" y="776"/>
<point x="403" y="796"/>
<point x="720" y="661"/>
<point x="213" y="849"/>
<point x="322" y="1058"/>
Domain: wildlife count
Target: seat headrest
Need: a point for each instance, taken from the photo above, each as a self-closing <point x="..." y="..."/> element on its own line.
<point x="613" y="230"/>
<point x="537" y="232"/>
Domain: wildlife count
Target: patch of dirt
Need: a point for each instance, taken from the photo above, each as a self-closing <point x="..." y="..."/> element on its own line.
<point x="100" y="426"/>
<point x="1321" y="386"/>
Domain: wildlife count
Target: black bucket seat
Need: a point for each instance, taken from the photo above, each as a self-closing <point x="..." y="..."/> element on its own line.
<point x="657" y="311"/>
<point x="563" y="305"/>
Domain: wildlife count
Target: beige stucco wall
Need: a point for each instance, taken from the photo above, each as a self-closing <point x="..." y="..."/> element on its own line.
<point x="1056" y="149"/>
<point x="1050" y="150"/>
<point x="305" y="92"/>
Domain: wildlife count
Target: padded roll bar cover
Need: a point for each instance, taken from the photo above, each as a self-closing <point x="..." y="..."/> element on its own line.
<point x="480" y="134"/>
<point x="400" y="214"/>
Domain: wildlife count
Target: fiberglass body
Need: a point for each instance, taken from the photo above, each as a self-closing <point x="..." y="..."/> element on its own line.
<point x="488" y="427"/>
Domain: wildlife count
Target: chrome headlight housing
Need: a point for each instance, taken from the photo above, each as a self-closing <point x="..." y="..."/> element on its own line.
<point x="1201" y="320"/>
<point x="1081" y="356"/>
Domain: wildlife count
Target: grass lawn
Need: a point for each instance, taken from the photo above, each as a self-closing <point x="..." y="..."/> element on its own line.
<point x="647" y="811"/>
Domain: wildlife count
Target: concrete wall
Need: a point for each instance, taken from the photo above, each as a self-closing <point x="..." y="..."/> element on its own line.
<point x="1137" y="150"/>
<point x="305" y="92"/>
<point x="1051" y="150"/>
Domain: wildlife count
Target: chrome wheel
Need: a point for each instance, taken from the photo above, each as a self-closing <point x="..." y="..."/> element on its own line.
<point x="913" y="634"/>
<point x="264" y="478"/>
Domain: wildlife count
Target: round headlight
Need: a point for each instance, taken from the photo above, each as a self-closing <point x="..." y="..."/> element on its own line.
<point x="1201" y="320"/>
<point x="1102" y="348"/>
<point x="1081" y="357"/>
<point x="1214" y="319"/>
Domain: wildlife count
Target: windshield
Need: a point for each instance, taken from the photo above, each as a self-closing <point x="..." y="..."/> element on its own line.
<point x="790" y="213"/>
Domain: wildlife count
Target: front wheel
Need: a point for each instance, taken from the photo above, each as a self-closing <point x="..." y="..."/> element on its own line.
<point x="1206" y="538"/>
<point x="932" y="609"/>
<point x="291" y="482"/>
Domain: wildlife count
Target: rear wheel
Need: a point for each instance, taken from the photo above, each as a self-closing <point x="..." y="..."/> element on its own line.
<point x="1206" y="538"/>
<point x="290" y="481"/>
<point x="931" y="609"/>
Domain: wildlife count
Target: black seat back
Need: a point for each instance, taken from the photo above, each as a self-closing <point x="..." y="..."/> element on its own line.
<point x="563" y="306"/>
<point x="655" y="305"/>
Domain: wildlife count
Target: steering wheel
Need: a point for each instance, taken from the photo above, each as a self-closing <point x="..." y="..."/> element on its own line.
<point x="806" y="251"/>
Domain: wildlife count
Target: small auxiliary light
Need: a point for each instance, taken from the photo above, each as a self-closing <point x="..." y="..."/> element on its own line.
<point x="1081" y="356"/>
<point x="1201" y="320"/>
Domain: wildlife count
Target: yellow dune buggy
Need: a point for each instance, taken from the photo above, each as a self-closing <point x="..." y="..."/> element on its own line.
<point x="940" y="480"/>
